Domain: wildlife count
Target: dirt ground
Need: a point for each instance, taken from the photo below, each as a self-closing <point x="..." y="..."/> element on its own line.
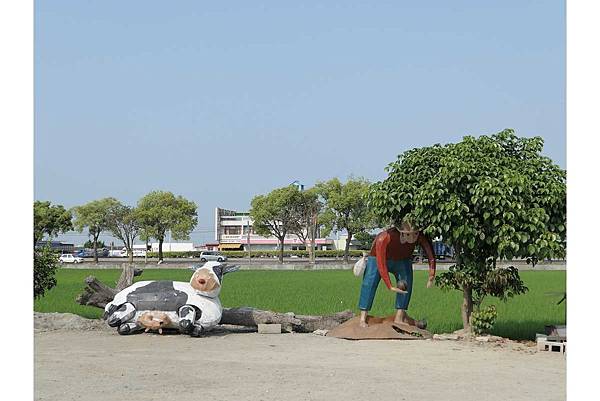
<point x="97" y="364"/>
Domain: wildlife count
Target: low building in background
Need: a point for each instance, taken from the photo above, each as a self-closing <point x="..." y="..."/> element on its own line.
<point x="234" y="231"/>
<point x="209" y="246"/>
<point x="63" y="247"/>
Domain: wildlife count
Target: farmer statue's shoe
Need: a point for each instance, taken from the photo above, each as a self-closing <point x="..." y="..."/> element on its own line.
<point x="421" y="324"/>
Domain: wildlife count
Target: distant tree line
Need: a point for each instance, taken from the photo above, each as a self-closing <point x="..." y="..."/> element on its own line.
<point x="155" y="214"/>
<point x="330" y="206"/>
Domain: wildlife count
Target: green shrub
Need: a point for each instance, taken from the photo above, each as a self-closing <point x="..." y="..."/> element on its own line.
<point x="483" y="320"/>
<point x="45" y="263"/>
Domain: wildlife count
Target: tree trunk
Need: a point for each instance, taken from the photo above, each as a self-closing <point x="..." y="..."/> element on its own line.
<point x="97" y="294"/>
<point x="347" y="248"/>
<point x="281" y="240"/>
<point x="146" y="253"/>
<point x="313" y="234"/>
<point x="127" y="275"/>
<point x="467" y="307"/>
<point x="130" y="254"/>
<point x="96" y="250"/>
<point x="160" y="253"/>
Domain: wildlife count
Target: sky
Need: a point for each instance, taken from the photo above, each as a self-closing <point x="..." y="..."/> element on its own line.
<point x="219" y="102"/>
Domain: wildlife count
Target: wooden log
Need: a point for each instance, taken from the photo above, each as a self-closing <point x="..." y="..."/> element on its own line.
<point x="247" y="316"/>
<point x="96" y="293"/>
<point x="327" y="322"/>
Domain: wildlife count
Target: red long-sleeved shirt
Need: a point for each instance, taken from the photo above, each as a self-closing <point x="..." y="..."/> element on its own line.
<point x="387" y="246"/>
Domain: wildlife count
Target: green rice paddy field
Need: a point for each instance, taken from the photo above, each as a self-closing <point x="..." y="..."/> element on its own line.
<point x="330" y="291"/>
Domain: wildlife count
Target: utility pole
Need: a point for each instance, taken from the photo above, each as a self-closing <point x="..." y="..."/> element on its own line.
<point x="313" y="235"/>
<point x="248" y="240"/>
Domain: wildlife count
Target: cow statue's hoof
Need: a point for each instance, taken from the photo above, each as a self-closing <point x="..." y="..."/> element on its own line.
<point x="185" y="325"/>
<point x="128" y="328"/>
<point x="123" y="314"/>
<point x="109" y="311"/>
<point x="187" y="317"/>
<point x="197" y="331"/>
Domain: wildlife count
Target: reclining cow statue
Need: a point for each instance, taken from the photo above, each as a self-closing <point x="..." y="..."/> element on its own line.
<point x="191" y="308"/>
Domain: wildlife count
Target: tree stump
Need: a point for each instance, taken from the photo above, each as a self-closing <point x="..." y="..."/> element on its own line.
<point x="127" y="275"/>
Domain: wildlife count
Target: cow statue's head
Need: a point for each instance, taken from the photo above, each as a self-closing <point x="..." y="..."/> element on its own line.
<point x="207" y="279"/>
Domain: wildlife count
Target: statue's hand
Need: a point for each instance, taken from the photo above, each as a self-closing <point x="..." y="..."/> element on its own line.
<point x="430" y="282"/>
<point x="398" y="290"/>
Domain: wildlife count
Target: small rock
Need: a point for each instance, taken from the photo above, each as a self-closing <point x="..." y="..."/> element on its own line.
<point x="269" y="329"/>
<point x="452" y="337"/>
<point x="489" y="339"/>
<point x="321" y="332"/>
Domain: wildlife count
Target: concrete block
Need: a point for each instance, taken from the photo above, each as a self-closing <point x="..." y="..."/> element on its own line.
<point x="451" y="337"/>
<point x="551" y="346"/>
<point x="269" y="329"/>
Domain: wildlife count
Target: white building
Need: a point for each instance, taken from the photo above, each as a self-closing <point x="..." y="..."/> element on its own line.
<point x="340" y="243"/>
<point x="174" y="247"/>
<point x="233" y="231"/>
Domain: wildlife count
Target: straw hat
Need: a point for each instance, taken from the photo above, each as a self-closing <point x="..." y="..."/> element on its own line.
<point x="408" y="234"/>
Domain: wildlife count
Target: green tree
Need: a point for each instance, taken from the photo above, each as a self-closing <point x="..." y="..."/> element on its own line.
<point x="94" y="217"/>
<point x="90" y="244"/>
<point x="45" y="263"/>
<point x="49" y="220"/>
<point x="307" y="208"/>
<point x="491" y="197"/>
<point x="159" y="212"/>
<point x="345" y="208"/>
<point x="275" y="214"/>
<point x="123" y="223"/>
<point x="366" y="239"/>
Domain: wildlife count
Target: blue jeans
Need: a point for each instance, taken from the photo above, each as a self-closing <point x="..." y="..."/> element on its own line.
<point x="402" y="270"/>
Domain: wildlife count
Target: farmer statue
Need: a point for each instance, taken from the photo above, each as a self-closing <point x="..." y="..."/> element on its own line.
<point x="392" y="252"/>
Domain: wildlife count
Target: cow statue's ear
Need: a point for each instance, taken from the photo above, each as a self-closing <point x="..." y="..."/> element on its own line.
<point x="218" y="270"/>
<point x="230" y="269"/>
